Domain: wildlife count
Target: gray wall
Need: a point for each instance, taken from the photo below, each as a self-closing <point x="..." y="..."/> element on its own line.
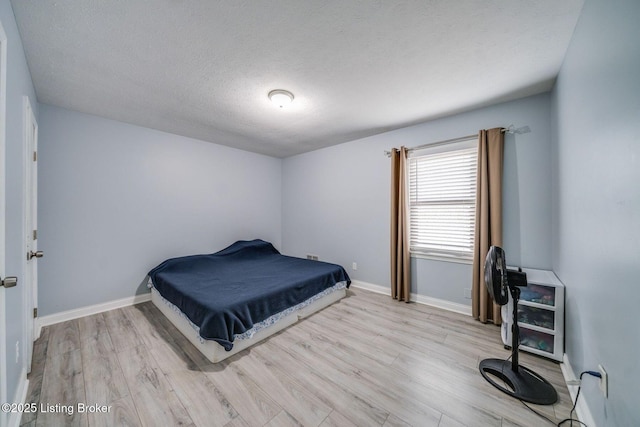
<point x="336" y="200"/>
<point x="18" y="85"/>
<point x="117" y="199"/>
<point x="596" y="203"/>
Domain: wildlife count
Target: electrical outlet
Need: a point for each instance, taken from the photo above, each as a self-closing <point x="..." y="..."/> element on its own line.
<point x="604" y="381"/>
<point x="312" y="257"/>
<point x="17" y="351"/>
<point x="354" y="265"/>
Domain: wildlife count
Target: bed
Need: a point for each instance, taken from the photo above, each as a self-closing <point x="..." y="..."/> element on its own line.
<point x="227" y="301"/>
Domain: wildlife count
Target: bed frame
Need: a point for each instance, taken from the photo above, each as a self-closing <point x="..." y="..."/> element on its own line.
<point x="214" y="351"/>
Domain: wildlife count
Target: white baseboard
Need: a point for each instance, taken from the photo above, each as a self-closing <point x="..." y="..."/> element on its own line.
<point x="371" y="287"/>
<point x="443" y="304"/>
<point x="420" y="299"/>
<point x="582" y="408"/>
<point x="63" y="316"/>
<point x="20" y="397"/>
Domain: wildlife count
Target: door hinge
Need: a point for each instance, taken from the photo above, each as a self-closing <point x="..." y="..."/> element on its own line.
<point x="35" y="234"/>
<point x="35" y="156"/>
<point x="35" y="312"/>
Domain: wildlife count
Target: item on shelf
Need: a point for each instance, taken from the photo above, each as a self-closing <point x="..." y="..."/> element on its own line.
<point x="537" y="340"/>
<point x="539" y="294"/>
<point x="536" y="316"/>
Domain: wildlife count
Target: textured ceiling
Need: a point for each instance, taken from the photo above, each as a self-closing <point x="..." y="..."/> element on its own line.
<point x="203" y="68"/>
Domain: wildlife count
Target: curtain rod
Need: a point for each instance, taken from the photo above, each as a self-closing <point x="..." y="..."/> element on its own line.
<point x="510" y="130"/>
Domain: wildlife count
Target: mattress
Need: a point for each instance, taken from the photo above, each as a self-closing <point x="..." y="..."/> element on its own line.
<point x="233" y="294"/>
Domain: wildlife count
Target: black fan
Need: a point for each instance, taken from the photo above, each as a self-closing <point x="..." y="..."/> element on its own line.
<point x="517" y="381"/>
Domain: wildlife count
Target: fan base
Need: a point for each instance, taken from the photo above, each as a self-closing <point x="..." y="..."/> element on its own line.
<point x="525" y="384"/>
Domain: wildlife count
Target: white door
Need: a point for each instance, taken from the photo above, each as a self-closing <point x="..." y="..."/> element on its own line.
<point x="3" y="335"/>
<point x="30" y="287"/>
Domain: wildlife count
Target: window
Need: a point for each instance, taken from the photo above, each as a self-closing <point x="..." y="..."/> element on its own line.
<point x="442" y="200"/>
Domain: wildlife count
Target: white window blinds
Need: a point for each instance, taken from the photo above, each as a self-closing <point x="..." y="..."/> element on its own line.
<point x="442" y="193"/>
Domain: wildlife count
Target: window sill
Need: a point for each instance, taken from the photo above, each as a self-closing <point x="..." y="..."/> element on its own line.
<point x="441" y="258"/>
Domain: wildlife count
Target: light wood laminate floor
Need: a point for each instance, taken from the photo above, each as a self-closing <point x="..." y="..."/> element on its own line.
<point x="365" y="361"/>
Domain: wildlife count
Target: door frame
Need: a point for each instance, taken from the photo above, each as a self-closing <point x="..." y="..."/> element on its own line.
<point x="3" y="117"/>
<point x="30" y="193"/>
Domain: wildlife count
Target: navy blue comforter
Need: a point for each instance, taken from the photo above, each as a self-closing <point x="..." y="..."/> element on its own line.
<point x="227" y="292"/>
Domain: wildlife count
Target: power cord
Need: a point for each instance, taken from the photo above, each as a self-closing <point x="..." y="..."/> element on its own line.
<point x="540" y="414"/>
<point x="573" y="408"/>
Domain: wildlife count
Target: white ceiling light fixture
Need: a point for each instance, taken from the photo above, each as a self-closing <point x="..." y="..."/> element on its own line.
<point x="281" y="97"/>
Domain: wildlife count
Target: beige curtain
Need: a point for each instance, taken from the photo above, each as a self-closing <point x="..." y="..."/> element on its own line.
<point x="488" y="219"/>
<point x="400" y="261"/>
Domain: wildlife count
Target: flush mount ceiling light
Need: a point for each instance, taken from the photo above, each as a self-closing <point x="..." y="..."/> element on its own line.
<point x="281" y="97"/>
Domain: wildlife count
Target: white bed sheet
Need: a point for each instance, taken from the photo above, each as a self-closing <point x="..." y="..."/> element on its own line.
<point x="214" y="352"/>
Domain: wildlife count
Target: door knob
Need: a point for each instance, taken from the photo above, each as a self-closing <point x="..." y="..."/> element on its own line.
<point x="9" y="282"/>
<point x="37" y="254"/>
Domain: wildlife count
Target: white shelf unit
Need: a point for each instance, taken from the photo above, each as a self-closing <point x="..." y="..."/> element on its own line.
<point x="540" y="315"/>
